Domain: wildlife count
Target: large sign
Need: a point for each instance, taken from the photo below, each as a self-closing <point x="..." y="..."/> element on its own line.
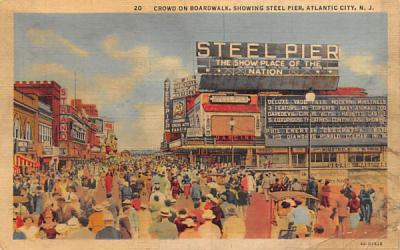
<point x="179" y="109"/>
<point x="267" y="59"/>
<point x="186" y="86"/>
<point x="64" y="123"/>
<point x="261" y="66"/>
<point x="342" y="121"/>
<point x="167" y="105"/>
<point x="99" y="124"/>
<point x="180" y="121"/>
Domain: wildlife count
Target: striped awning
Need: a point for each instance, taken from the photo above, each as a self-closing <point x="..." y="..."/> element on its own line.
<point x="21" y="160"/>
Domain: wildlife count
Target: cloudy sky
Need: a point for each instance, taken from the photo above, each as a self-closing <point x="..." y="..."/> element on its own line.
<point x="121" y="60"/>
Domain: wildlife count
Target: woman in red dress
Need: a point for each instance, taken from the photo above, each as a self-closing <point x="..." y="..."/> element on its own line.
<point x="175" y="188"/>
<point x="109" y="182"/>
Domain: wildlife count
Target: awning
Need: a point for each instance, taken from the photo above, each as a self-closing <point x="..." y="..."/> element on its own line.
<point x="21" y="160"/>
<point x="237" y="108"/>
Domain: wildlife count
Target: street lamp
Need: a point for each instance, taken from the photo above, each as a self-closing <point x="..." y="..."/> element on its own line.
<point x="310" y="98"/>
<point x="232" y="125"/>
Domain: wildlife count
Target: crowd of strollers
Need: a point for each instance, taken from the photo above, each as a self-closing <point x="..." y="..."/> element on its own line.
<point x="68" y="204"/>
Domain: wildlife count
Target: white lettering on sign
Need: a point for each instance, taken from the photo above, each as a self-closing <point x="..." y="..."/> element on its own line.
<point x="229" y="99"/>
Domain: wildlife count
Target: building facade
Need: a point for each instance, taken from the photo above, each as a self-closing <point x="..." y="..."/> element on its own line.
<point x="25" y="132"/>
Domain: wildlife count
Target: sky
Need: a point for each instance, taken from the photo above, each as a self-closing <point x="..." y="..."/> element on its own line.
<point x="121" y="60"/>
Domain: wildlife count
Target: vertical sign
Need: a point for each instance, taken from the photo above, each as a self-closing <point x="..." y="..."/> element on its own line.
<point x="167" y="105"/>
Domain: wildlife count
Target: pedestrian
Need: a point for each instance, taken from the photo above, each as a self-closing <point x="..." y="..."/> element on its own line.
<point x="96" y="219"/>
<point x="209" y="230"/>
<point x="163" y="229"/>
<point x="312" y="189"/>
<point x="196" y="192"/>
<point x="108" y="182"/>
<point x="234" y="226"/>
<point x="326" y="190"/>
<point x="39" y="200"/>
<point x="354" y="207"/>
<point x="125" y="225"/>
<point x="342" y="211"/>
<point x="47" y="226"/>
<point x="154" y="206"/>
<point x="175" y="188"/>
<point x="64" y="211"/>
<point x="366" y="204"/>
<point x="181" y="216"/>
<point x="296" y="186"/>
<point x="126" y="192"/>
<point x="266" y="186"/>
<point x="243" y="202"/>
<point x="136" y="202"/>
<point x="219" y="214"/>
<point x="186" y="186"/>
<point x="300" y="218"/>
<point x="92" y="185"/>
<point x="30" y="230"/>
<point x="78" y="229"/>
<point x="108" y="232"/>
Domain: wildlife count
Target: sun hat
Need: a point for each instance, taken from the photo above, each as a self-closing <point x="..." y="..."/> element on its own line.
<point x="126" y="202"/>
<point x="73" y="223"/>
<point x="98" y="208"/>
<point x="105" y="203"/>
<point x="165" y="212"/>
<point x="189" y="222"/>
<point x="182" y="213"/>
<point x="61" y="228"/>
<point x="215" y="200"/>
<point x="210" y="196"/>
<point x="208" y="215"/>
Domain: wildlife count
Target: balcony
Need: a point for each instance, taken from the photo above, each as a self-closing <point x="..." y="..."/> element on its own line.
<point x="45" y="107"/>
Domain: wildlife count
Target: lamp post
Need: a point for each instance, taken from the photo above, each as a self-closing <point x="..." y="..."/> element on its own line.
<point x="310" y="98"/>
<point x="232" y="125"/>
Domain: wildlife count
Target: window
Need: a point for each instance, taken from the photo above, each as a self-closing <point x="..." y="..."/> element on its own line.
<point x="298" y="159"/>
<point x="323" y="157"/>
<point x="28" y="131"/>
<point x="364" y="157"/>
<point x="17" y="128"/>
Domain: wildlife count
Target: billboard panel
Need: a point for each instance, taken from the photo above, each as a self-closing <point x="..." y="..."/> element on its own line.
<point x="334" y="121"/>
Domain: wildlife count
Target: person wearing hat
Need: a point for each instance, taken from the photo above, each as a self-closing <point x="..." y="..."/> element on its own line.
<point x="154" y="206"/>
<point x="312" y="189"/>
<point x="234" y="226"/>
<point x="163" y="229"/>
<point x="181" y="216"/>
<point x="111" y="206"/>
<point x="136" y="202"/>
<point x="300" y="217"/>
<point x="219" y="214"/>
<point x="96" y="220"/>
<point x="191" y="231"/>
<point x="78" y="229"/>
<point x="126" y="192"/>
<point x="64" y="211"/>
<point x="132" y="216"/>
<point x="197" y="214"/>
<point x="30" y="230"/>
<point x="108" y="232"/>
<point x="209" y="230"/>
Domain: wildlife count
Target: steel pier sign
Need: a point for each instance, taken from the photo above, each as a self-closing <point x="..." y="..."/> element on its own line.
<point x="267" y="66"/>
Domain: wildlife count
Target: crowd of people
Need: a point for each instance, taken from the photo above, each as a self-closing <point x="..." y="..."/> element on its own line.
<point x="137" y="198"/>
